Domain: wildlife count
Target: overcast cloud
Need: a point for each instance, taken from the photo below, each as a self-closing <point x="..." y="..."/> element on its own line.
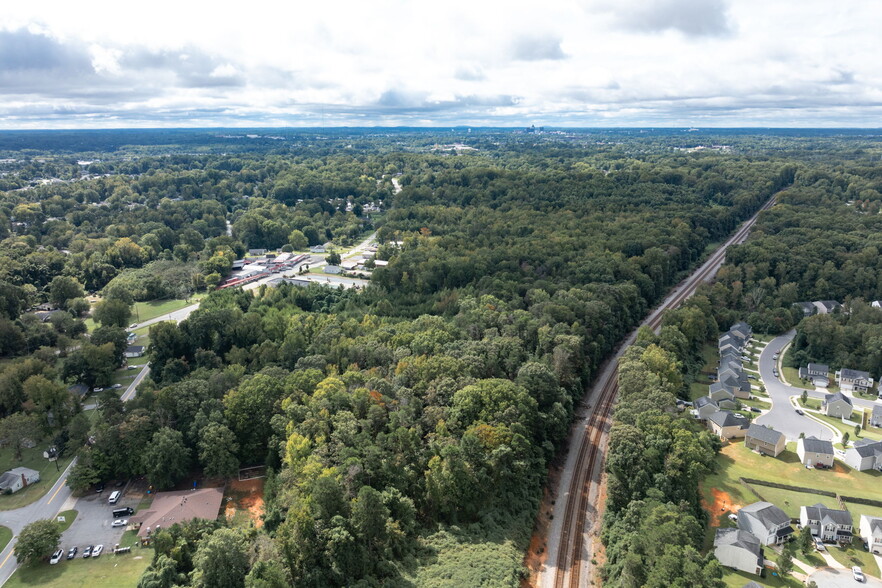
<point x="386" y="62"/>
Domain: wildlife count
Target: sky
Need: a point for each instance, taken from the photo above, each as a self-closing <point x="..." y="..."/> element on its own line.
<point x="577" y="63"/>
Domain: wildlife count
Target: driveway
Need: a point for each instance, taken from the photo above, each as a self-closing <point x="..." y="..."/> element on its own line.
<point x="94" y="518"/>
<point x="840" y="578"/>
<point x="782" y="417"/>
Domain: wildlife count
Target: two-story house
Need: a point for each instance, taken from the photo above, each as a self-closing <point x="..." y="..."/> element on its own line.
<point x="827" y="523"/>
<point x="871" y="531"/>
<point x="764" y="440"/>
<point x="837" y="405"/>
<point x="816" y="373"/>
<point x="852" y="381"/>
<point x="876" y="416"/>
<point x="813" y="452"/>
<point x="767" y="522"/>
<point x="727" y="425"/>
<point x="865" y="454"/>
<point x="703" y="407"/>
<point x="739" y="549"/>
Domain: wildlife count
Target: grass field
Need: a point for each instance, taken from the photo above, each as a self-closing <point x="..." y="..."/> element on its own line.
<point x="842" y="428"/>
<point x="144" y="311"/>
<point x="31" y="458"/>
<point x="5" y="536"/>
<point x="736" y="579"/>
<point x="791" y="376"/>
<point x="107" y="571"/>
<point x="854" y="555"/>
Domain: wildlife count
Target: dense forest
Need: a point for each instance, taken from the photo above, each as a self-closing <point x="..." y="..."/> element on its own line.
<point x="407" y="427"/>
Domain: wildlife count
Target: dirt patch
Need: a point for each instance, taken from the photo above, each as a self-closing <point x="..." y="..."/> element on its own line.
<point x="722" y="502"/>
<point x="536" y="554"/>
<point x="840" y="470"/>
<point x="244" y="502"/>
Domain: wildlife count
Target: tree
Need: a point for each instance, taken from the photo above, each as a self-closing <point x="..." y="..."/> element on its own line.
<point x="333" y="258"/>
<point x="221" y="560"/>
<point x="64" y="288"/>
<point x="785" y="562"/>
<point x="84" y="474"/>
<point x="804" y="397"/>
<point x="298" y="240"/>
<point x="217" y="451"/>
<point x="16" y="429"/>
<point x="112" y="313"/>
<point x="166" y="459"/>
<point x="857" y="430"/>
<point x="845" y="437"/>
<point x="805" y="540"/>
<point x="37" y="540"/>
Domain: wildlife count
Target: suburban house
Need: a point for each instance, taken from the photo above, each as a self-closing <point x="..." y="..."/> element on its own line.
<point x="730" y="340"/>
<point x="134" y="351"/>
<point x="876" y="304"/>
<point x="46" y="315"/>
<point x="721" y="394"/>
<point x="179" y="506"/>
<point x="727" y="425"/>
<point x="735" y="380"/>
<point x="807" y="308"/>
<point x="816" y="373"/>
<point x="333" y="269"/>
<point x="876" y="416"/>
<point x="827" y="523"/>
<point x="871" y="531"/>
<point x="813" y="451"/>
<point x="853" y="380"/>
<point x="256" y="252"/>
<point x="837" y="405"/>
<point x="704" y="407"/>
<point x="78" y="390"/>
<point x="742" y="329"/>
<point x="826" y="306"/>
<point x="739" y="549"/>
<point x="18" y="478"/>
<point x="317" y="249"/>
<point x="765" y="440"/>
<point x="766" y="521"/>
<point x="863" y="455"/>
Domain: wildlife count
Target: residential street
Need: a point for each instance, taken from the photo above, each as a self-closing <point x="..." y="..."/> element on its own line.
<point x="45" y="508"/>
<point x="783" y="417"/>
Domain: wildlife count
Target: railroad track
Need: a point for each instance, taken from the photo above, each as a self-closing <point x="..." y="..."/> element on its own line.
<point x="570" y="559"/>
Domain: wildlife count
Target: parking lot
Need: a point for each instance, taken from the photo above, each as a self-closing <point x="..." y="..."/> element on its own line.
<point x="94" y="518"/>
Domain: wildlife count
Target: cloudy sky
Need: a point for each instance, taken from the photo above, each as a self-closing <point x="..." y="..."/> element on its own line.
<point x="783" y="63"/>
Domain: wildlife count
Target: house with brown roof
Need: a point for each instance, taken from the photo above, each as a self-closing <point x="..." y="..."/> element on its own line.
<point x="179" y="506"/>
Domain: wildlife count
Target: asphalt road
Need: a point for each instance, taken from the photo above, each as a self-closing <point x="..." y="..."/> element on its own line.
<point x="836" y="578"/>
<point x="45" y="508"/>
<point x="782" y="417"/>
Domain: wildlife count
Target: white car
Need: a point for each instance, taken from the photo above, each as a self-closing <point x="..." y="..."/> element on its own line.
<point x="133" y="326"/>
<point x="857" y="573"/>
<point x="120" y="523"/>
<point x="116" y="386"/>
<point x="97" y="390"/>
<point x="733" y="517"/>
<point x="97" y="551"/>
<point x="56" y="557"/>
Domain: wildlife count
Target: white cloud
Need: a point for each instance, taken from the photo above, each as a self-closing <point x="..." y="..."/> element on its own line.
<point x="574" y="62"/>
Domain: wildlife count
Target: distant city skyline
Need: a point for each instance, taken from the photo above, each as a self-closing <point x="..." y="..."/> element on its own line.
<point x="577" y="63"/>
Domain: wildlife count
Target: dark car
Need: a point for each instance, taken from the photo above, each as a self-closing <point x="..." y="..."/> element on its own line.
<point x="99" y="488"/>
<point x="87" y="552"/>
<point x="72" y="552"/>
<point x="799" y="412"/>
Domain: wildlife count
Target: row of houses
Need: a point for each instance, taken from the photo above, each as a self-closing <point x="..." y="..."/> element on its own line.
<point x="818" y="307"/>
<point x="762" y="523"/>
<point x="848" y="380"/>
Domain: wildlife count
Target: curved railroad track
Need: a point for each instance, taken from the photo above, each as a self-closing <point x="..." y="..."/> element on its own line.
<point x="570" y="560"/>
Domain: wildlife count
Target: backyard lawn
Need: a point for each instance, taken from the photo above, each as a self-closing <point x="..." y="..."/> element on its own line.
<point x="843" y="428"/>
<point x="737" y="579"/>
<point x="31" y="458"/>
<point x="107" y="571"/>
<point x="854" y="555"/>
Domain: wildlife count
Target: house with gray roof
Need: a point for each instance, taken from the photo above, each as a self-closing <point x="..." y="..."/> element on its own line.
<point x="17" y="478"/>
<point x="865" y="454"/>
<point x="826" y="306"/>
<point x="764" y="440"/>
<point x="730" y="340"/>
<point x="807" y="308"/>
<point x="854" y="381"/>
<point x="739" y="549"/>
<point x="876" y="416"/>
<point x="721" y="394"/>
<point x="816" y="373"/>
<point x="813" y="451"/>
<point x="742" y="329"/>
<point x="871" y="531"/>
<point x="837" y="405"/>
<point x="766" y="521"/>
<point x="827" y="523"/>
<point x="703" y="407"/>
<point x="728" y="425"/>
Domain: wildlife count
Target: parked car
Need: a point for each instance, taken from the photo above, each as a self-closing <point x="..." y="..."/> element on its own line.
<point x="133" y="326"/>
<point x="799" y="412"/>
<point x="775" y="372"/>
<point x="119" y="523"/>
<point x="751" y="377"/>
<point x="819" y="545"/>
<point x="56" y="557"/>
<point x="97" y="390"/>
<point x="97" y="551"/>
<point x="733" y="517"/>
<point x="775" y="357"/>
<point x="116" y="386"/>
<point x="857" y="573"/>
<point x="87" y="552"/>
<point x="72" y="552"/>
<point x="99" y="488"/>
<point x="755" y="409"/>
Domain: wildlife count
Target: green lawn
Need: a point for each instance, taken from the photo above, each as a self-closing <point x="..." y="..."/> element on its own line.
<point x="842" y="428"/>
<point x="735" y="461"/>
<point x="790" y="501"/>
<point x="812" y="403"/>
<point x="107" y="571"/>
<point x="791" y="376"/>
<point x="5" y="536"/>
<point x="69" y="517"/>
<point x="737" y="579"/>
<point x="854" y="555"/>
<point x="144" y="311"/>
<point x="31" y="458"/>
